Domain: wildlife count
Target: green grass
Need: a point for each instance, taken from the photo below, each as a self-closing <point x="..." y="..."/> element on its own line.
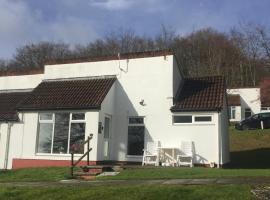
<point x="129" y="192"/>
<point x="249" y="140"/>
<point x="250" y="149"/>
<point x="35" y="174"/>
<point x="187" y="173"/>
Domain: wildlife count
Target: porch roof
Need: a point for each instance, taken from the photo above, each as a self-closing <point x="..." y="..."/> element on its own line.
<point x="68" y="94"/>
<point x="8" y="102"/>
<point x="201" y="94"/>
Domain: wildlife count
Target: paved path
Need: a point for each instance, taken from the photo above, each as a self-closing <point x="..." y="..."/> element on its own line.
<point x="63" y="183"/>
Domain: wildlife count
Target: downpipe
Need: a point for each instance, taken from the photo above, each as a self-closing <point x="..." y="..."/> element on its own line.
<point x="7" y="145"/>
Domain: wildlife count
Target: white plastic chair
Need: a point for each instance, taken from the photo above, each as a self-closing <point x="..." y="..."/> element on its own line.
<point x="185" y="158"/>
<point x="150" y="154"/>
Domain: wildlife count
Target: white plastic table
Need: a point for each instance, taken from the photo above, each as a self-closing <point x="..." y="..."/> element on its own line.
<point x="164" y="155"/>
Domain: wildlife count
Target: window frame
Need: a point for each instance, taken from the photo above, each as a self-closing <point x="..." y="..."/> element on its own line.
<point x="265" y="108"/>
<point x="136" y="125"/>
<point x="232" y="108"/>
<point x="52" y="121"/>
<point x="193" y="122"/>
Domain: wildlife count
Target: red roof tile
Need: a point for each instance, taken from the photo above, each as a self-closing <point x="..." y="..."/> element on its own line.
<point x="68" y="94"/>
<point x="8" y="102"/>
<point x="201" y="94"/>
<point x="234" y="100"/>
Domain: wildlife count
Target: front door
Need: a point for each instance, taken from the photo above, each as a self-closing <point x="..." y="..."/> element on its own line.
<point x="107" y="136"/>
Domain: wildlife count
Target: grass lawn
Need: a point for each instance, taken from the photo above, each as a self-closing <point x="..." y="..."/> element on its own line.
<point x="129" y="192"/>
<point x="250" y="149"/>
<point x="35" y="174"/>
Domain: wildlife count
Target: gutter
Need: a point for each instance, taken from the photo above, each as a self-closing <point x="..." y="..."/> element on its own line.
<point x="7" y="145"/>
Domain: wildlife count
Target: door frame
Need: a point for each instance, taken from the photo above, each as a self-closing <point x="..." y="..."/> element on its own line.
<point x="108" y="140"/>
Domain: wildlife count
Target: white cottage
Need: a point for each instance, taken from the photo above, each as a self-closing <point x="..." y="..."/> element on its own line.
<point x="124" y="101"/>
<point x="243" y="102"/>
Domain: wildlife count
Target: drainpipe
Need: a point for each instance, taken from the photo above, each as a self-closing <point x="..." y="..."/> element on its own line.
<point x="7" y="145"/>
<point x="219" y="129"/>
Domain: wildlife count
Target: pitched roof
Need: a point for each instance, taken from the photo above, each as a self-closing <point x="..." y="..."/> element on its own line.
<point x="234" y="100"/>
<point x="8" y="102"/>
<point x="68" y="94"/>
<point x="201" y="94"/>
<point x="265" y="92"/>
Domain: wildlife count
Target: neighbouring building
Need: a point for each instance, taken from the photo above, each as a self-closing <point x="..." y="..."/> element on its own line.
<point x="243" y="102"/>
<point x="124" y="101"/>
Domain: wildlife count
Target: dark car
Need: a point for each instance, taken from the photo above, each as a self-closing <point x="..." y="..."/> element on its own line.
<point x="257" y="121"/>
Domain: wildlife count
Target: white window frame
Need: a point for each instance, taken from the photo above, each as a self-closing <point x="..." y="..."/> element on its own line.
<point x="231" y="111"/>
<point x="53" y="122"/>
<point x="143" y="124"/>
<point x="193" y="122"/>
<point x="265" y="108"/>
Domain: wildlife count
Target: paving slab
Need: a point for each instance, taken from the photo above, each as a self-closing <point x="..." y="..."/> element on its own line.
<point x="75" y="182"/>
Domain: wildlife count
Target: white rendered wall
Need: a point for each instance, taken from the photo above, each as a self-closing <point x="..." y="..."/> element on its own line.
<point x="250" y="98"/>
<point x="224" y="135"/>
<point x="20" y="82"/>
<point x="107" y="109"/>
<point x="15" y="143"/>
<point x="3" y="141"/>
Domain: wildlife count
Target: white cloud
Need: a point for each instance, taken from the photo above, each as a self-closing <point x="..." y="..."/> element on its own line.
<point x="112" y="4"/>
<point x="21" y="24"/>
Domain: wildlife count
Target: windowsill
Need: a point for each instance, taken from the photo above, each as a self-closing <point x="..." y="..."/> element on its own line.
<point x="58" y="155"/>
<point x="193" y="124"/>
<point x="134" y="156"/>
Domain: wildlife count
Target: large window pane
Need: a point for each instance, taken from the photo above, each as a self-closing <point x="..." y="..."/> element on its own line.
<point x="135" y="140"/>
<point x="60" y="140"/>
<point x="182" y="119"/>
<point x="203" y="118"/>
<point x="44" y="138"/>
<point x="77" y="135"/>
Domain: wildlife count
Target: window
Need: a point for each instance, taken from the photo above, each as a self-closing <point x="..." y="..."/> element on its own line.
<point x="247" y="112"/>
<point x="203" y="118"/>
<point x="265" y="108"/>
<point x="232" y="112"/>
<point x="59" y="133"/>
<point x="182" y="119"/>
<point x="135" y="136"/>
<point x="191" y="119"/>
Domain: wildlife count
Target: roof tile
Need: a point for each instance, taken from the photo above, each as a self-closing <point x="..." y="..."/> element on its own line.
<point x="68" y="94"/>
<point x="8" y="102"/>
<point x="201" y="94"/>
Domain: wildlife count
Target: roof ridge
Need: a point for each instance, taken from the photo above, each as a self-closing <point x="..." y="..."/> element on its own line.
<point x="16" y="90"/>
<point x="80" y="78"/>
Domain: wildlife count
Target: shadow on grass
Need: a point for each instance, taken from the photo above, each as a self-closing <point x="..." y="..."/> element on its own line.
<point x="250" y="159"/>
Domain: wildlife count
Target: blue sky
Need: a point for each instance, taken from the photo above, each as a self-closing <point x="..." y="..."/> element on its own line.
<point x="82" y="21"/>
